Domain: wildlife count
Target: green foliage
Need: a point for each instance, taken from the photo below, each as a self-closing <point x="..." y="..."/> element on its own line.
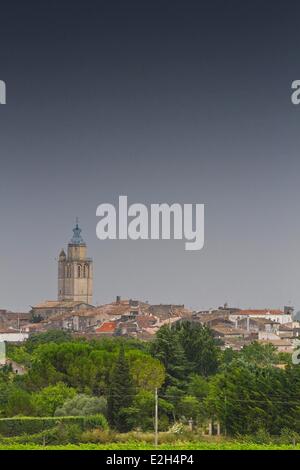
<point x="30" y="425"/>
<point x="262" y="437"/>
<point x="131" y="442"/>
<point x="245" y="391"/>
<point x="198" y="386"/>
<point x="147" y="372"/>
<point x="19" y="403"/>
<point x="83" y="405"/>
<point x="185" y="348"/>
<point x="61" y="433"/>
<point x="288" y="436"/>
<point x="19" y="354"/>
<point x="65" y="434"/>
<point x="50" y="398"/>
<point x="168" y="349"/>
<point x="120" y="393"/>
<point x="247" y="398"/>
<point x="6" y="389"/>
<point x="52" y="336"/>
<point x="199" y="347"/>
<point x="189" y="408"/>
<point x="140" y="415"/>
<point x="260" y="355"/>
<point x="228" y="355"/>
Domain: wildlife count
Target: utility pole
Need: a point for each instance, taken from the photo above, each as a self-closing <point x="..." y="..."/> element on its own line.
<point x="156" y="419"/>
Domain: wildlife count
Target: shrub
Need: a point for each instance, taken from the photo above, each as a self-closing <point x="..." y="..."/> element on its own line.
<point x="136" y="436"/>
<point x="59" y="435"/>
<point x="177" y="428"/>
<point x="287" y="436"/>
<point x="82" y="405"/>
<point x="65" y="434"/>
<point x="30" y="425"/>
<point x="98" y="436"/>
<point x="260" y="437"/>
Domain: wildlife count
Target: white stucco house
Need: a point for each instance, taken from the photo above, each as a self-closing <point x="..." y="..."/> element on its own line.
<point x="277" y="316"/>
<point x="12" y="336"/>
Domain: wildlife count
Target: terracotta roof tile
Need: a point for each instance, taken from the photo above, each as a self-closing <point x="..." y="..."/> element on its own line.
<point x="107" y="327"/>
<point x="8" y="330"/>
<point x="145" y="321"/>
<point x="59" y="304"/>
<point x="260" y="312"/>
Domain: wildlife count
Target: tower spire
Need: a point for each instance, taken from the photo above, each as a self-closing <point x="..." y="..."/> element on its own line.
<point x="77" y="238"/>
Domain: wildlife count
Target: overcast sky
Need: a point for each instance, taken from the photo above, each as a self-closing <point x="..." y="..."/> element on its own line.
<point x="181" y="101"/>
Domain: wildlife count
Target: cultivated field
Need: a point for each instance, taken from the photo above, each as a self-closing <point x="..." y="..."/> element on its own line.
<point x="230" y="445"/>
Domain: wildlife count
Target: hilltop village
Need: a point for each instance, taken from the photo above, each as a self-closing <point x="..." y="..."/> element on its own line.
<point x="73" y="311"/>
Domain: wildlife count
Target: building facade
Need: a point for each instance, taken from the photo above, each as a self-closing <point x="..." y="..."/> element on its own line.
<point x="278" y="316"/>
<point x="75" y="271"/>
<point x="53" y="307"/>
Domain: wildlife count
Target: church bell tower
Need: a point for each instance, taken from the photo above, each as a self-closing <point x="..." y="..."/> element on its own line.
<point x="75" y="271"/>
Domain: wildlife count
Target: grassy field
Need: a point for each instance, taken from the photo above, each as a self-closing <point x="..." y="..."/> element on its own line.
<point x="230" y="445"/>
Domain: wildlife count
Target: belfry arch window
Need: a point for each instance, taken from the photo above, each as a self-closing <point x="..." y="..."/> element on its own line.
<point x="79" y="270"/>
<point x="85" y="270"/>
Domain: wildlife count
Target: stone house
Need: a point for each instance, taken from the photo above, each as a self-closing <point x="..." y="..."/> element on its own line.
<point x="52" y="307"/>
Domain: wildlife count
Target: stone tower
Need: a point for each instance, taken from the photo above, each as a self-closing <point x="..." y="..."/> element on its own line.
<point x="75" y="271"/>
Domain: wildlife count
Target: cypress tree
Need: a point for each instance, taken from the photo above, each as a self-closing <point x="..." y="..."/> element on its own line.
<point x="120" y="393"/>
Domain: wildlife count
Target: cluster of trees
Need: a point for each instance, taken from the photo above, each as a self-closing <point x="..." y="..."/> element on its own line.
<point x="69" y="377"/>
<point x="244" y="391"/>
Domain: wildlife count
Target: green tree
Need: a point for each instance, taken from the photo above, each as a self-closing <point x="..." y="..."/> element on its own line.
<point x="189" y="407"/>
<point x="246" y="398"/>
<point x="199" y="347"/>
<point x="120" y="392"/>
<point x="174" y="396"/>
<point x="83" y="405"/>
<point x="147" y="372"/>
<point x="19" y="403"/>
<point x="50" y="398"/>
<point x="52" y="336"/>
<point x="140" y="415"/>
<point x="5" y="390"/>
<point x="198" y="386"/>
<point x="167" y="348"/>
<point x="260" y="354"/>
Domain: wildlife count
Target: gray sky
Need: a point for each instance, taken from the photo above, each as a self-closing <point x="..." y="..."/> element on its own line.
<point x="164" y="102"/>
